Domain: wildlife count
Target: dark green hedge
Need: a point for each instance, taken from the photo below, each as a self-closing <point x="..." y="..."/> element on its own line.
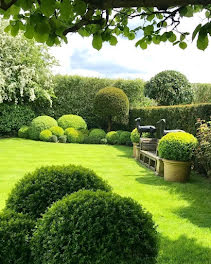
<point x="177" y="117"/>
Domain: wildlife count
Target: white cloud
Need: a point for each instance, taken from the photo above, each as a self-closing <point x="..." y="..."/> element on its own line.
<point x="195" y="64"/>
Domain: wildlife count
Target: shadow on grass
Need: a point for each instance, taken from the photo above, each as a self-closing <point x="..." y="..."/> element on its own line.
<point x="184" y="250"/>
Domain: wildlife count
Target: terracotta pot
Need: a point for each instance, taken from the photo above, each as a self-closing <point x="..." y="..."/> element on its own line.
<point x="176" y="171"/>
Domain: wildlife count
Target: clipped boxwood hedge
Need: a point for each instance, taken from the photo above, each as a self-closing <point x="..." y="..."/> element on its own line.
<point x="39" y="189"/>
<point x="15" y="234"/>
<point x="96" y="135"/>
<point x="73" y="121"/>
<point x="95" y="227"/>
<point x="57" y="131"/>
<point x="23" y="132"/>
<point x="45" y="135"/>
<point x="124" y="138"/>
<point x="74" y="136"/>
<point x="112" y="137"/>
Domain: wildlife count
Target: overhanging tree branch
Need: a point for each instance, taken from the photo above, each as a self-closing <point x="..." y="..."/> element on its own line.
<point x="6" y="6"/>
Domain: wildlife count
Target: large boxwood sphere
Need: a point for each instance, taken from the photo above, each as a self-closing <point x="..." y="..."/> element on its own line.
<point x="95" y="227"/>
<point x="177" y="146"/>
<point x="96" y="135"/>
<point x="73" y="121"/>
<point x="112" y="137"/>
<point x="124" y="138"/>
<point x="15" y="234"/>
<point x="39" y="189"/>
<point x="39" y="124"/>
<point x="57" y="131"/>
<point x="135" y="136"/>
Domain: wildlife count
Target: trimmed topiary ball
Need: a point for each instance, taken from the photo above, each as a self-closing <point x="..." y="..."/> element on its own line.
<point x="110" y="103"/>
<point x="177" y="146"/>
<point x="74" y="121"/>
<point x="112" y="138"/>
<point x="15" y="234"/>
<point x="74" y="136"/>
<point x="54" y="139"/>
<point x="63" y="139"/>
<point x="135" y="136"/>
<point x="46" y="135"/>
<point x="39" y="189"/>
<point x="96" y="135"/>
<point x="124" y="138"/>
<point x="57" y="131"/>
<point x="23" y="132"/>
<point x="39" y="124"/>
<point x="95" y="227"/>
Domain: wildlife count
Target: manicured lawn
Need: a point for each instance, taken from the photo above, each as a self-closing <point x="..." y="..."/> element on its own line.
<point x="181" y="211"/>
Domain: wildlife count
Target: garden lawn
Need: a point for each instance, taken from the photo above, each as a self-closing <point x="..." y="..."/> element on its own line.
<point x="182" y="212"/>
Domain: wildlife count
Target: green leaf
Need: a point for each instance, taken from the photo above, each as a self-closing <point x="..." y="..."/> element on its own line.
<point x="83" y="32"/>
<point x="29" y="32"/>
<point x="7" y="29"/>
<point x="195" y="32"/>
<point x="182" y="37"/>
<point x="183" y="45"/>
<point x="148" y="30"/>
<point x="131" y="36"/>
<point x="156" y="40"/>
<point x="79" y="7"/>
<point x="66" y="9"/>
<point x="143" y="45"/>
<point x="172" y="38"/>
<point x="14" y="29"/>
<point x="150" y="17"/>
<point x="202" y="41"/>
<point x="113" y="40"/>
<point x="48" y="7"/>
<point x="97" y="41"/>
<point x="187" y="11"/>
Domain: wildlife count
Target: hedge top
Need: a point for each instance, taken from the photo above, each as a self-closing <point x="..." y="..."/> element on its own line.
<point x="177" y="146"/>
<point x="74" y="121"/>
<point x="39" y="189"/>
<point x="95" y="227"/>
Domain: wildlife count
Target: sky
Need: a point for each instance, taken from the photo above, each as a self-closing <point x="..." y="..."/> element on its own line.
<point x="124" y="60"/>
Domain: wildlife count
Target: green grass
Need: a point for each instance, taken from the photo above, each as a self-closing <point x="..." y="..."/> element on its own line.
<point x="182" y="212"/>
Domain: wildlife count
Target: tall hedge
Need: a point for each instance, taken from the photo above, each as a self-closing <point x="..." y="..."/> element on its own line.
<point x="177" y="117"/>
<point x="202" y="92"/>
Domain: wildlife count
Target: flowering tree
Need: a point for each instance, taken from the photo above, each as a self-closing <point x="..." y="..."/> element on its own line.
<point x="24" y="69"/>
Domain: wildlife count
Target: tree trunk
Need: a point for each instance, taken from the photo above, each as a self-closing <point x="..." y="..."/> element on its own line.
<point x="109" y="123"/>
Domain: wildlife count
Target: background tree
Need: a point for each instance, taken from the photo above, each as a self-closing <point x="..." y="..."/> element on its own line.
<point x="51" y="20"/>
<point x="169" y="88"/>
<point x="110" y="103"/>
<point x="24" y="69"/>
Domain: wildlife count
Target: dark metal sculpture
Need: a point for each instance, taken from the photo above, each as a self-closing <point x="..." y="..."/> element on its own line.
<point x="150" y="129"/>
<point x="161" y="131"/>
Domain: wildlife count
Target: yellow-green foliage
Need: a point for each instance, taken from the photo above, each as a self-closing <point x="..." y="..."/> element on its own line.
<point x="23" y="132"/>
<point x="112" y="138"/>
<point x="74" y="136"/>
<point x="177" y="146"/>
<point x="135" y="136"/>
<point x="74" y="121"/>
<point x="45" y="135"/>
<point x="57" y="131"/>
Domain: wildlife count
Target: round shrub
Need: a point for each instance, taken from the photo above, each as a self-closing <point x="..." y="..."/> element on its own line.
<point x="74" y="136"/>
<point x="124" y="138"/>
<point x="63" y="139"/>
<point x="177" y="146"/>
<point x="104" y="141"/>
<point x="112" y="138"/>
<point x="135" y="136"/>
<point x="15" y="234"/>
<point x="39" y="189"/>
<point x="111" y="102"/>
<point x="96" y="135"/>
<point x="169" y="88"/>
<point x="74" y="121"/>
<point x="39" y="124"/>
<point x="46" y="135"/>
<point x="57" y="131"/>
<point x="119" y="132"/>
<point x="95" y="227"/>
<point x="54" y="139"/>
<point x="23" y="132"/>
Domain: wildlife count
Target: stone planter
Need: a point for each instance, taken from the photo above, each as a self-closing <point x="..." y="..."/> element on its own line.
<point x="148" y="144"/>
<point x="176" y="171"/>
<point x="134" y="149"/>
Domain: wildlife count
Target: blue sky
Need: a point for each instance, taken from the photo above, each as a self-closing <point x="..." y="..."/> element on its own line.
<point x="126" y="61"/>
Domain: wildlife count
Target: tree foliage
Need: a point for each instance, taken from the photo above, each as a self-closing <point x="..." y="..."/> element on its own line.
<point x="50" y="21"/>
<point x="24" y="69"/>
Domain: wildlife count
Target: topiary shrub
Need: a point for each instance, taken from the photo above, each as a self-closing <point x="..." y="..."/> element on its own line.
<point x="46" y="135"/>
<point x="54" y="139"/>
<point x="177" y="146"/>
<point x="23" y="132"/>
<point x="119" y="132"/>
<point x="169" y="88"/>
<point x="15" y="234"/>
<point x="74" y="121"/>
<point x="124" y="138"/>
<point x="57" y="131"/>
<point x="110" y="103"/>
<point x="39" y="124"/>
<point x="95" y="227"/>
<point x="96" y="135"/>
<point x="39" y="189"/>
<point x="112" y="138"/>
<point x="63" y="139"/>
<point x="135" y="136"/>
<point x="74" y="136"/>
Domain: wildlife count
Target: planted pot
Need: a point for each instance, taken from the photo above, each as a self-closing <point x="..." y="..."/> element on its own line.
<point x="176" y="171"/>
<point x="135" y="145"/>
